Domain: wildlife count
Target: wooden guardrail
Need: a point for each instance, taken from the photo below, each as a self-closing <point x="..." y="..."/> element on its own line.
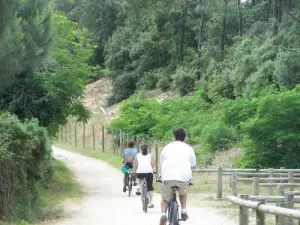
<point x="284" y="216"/>
<point x="270" y="175"/>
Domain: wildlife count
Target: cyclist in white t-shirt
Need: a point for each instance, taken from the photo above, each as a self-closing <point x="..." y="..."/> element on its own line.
<point x="144" y="167"/>
<point x="177" y="160"/>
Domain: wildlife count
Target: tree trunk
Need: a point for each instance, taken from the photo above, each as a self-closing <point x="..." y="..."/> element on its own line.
<point x="253" y="2"/>
<point x="182" y="33"/>
<point x="268" y="10"/>
<point x="200" y="38"/>
<point x="240" y="19"/>
<point x="223" y="29"/>
<point x="277" y="15"/>
<point x="1" y="17"/>
<point x="103" y="18"/>
<point x="290" y="5"/>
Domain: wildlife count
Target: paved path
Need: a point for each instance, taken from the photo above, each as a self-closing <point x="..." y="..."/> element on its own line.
<point x="104" y="203"/>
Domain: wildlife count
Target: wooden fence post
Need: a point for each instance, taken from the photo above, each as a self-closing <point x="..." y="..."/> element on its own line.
<point x="121" y="143"/>
<point x="137" y="143"/>
<point x="114" y="142"/>
<point x="156" y="159"/>
<point x="234" y="184"/>
<point x="255" y="187"/>
<point x="70" y="133"/>
<point x="289" y="201"/>
<point x="280" y="192"/>
<point x="291" y="180"/>
<point x="220" y="182"/>
<point x="75" y="134"/>
<point x="260" y="216"/>
<point x="271" y="173"/>
<point x="103" y="141"/>
<point x="83" y="135"/>
<point x="94" y="138"/>
<point x="66" y="134"/>
<point x="61" y="133"/>
<point x="244" y="212"/>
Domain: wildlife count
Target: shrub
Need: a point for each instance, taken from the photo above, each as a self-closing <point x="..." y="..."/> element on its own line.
<point x="273" y="134"/>
<point x="164" y="83"/>
<point x="218" y="136"/>
<point x="25" y="155"/>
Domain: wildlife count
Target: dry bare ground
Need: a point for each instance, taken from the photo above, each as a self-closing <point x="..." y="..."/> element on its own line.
<point x="104" y="202"/>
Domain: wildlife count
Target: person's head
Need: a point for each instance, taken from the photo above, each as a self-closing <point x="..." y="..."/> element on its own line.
<point x="131" y="144"/>
<point x="179" y="134"/>
<point x="144" y="149"/>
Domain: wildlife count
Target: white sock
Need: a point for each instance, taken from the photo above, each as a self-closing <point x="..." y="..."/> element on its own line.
<point x="184" y="211"/>
<point x="163" y="214"/>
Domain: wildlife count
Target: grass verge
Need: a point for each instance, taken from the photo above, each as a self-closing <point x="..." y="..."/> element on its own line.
<point x="61" y="187"/>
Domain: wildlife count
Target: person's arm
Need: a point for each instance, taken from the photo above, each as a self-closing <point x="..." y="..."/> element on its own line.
<point x="192" y="157"/>
<point x="152" y="164"/>
<point x="135" y="164"/>
<point x="162" y="156"/>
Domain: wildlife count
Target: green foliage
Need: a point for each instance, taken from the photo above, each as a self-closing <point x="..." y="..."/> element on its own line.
<point x="25" y="154"/>
<point x="218" y="136"/>
<point x="274" y="132"/>
<point x="53" y="91"/>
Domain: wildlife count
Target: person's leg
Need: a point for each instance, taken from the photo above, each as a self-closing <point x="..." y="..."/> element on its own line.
<point x="183" y="200"/>
<point x="124" y="182"/>
<point x="138" y="189"/>
<point x="150" y="189"/>
<point x="166" y="195"/>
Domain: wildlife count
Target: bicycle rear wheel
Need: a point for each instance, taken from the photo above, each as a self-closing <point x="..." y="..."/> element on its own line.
<point x="129" y="185"/>
<point x="173" y="214"/>
<point x="145" y="198"/>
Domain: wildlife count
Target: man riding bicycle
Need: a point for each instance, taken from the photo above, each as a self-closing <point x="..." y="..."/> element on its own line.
<point x="129" y="157"/>
<point x="177" y="159"/>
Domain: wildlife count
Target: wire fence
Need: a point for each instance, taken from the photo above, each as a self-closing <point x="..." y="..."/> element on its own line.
<point x="95" y="137"/>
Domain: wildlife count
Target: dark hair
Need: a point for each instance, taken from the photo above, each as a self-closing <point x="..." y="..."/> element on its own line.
<point x="179" y="134"/>
<point x="144" y="149"/>
<point x="131" y="144"/>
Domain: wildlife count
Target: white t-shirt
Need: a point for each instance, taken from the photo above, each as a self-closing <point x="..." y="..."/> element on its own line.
<point x="144" y="163"/>
<point x="177" y="160"/>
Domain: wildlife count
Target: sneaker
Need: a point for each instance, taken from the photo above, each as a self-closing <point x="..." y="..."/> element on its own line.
<point x="184" y="216"/>
<point x="135" y="184"/>
<point x="138" y="193"/>
<point x="163" y="220"/>
<point x="124" y="189"/>
<point x="151" y="205"/>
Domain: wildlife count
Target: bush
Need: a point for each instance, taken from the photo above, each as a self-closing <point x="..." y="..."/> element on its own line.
<point x="218" y="137"/>
<point x="273" y="134"/>
<point x="184" y="81"/>
<point x="164" y="83"/>
<point x="25" y="155"/>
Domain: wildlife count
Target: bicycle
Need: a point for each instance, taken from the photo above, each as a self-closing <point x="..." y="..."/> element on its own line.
<point x="173" y="208"/>
<point x="144" y="195"/>
<point x="128" y="179"/>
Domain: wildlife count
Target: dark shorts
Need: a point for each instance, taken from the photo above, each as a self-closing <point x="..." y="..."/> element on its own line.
<point x="149" y="179"/>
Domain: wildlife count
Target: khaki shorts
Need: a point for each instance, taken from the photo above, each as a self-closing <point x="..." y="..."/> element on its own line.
<point x="166" y="189"/>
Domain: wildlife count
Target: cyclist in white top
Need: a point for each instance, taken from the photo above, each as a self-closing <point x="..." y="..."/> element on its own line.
<point x="144" y="167"/>
<point x="177" y="160"/>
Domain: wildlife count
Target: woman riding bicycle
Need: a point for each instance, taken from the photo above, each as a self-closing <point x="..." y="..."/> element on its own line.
<point x="144" y="167"/>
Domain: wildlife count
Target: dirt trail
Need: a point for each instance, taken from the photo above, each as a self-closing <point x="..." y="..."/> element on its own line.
<point x="104" y="202"/>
